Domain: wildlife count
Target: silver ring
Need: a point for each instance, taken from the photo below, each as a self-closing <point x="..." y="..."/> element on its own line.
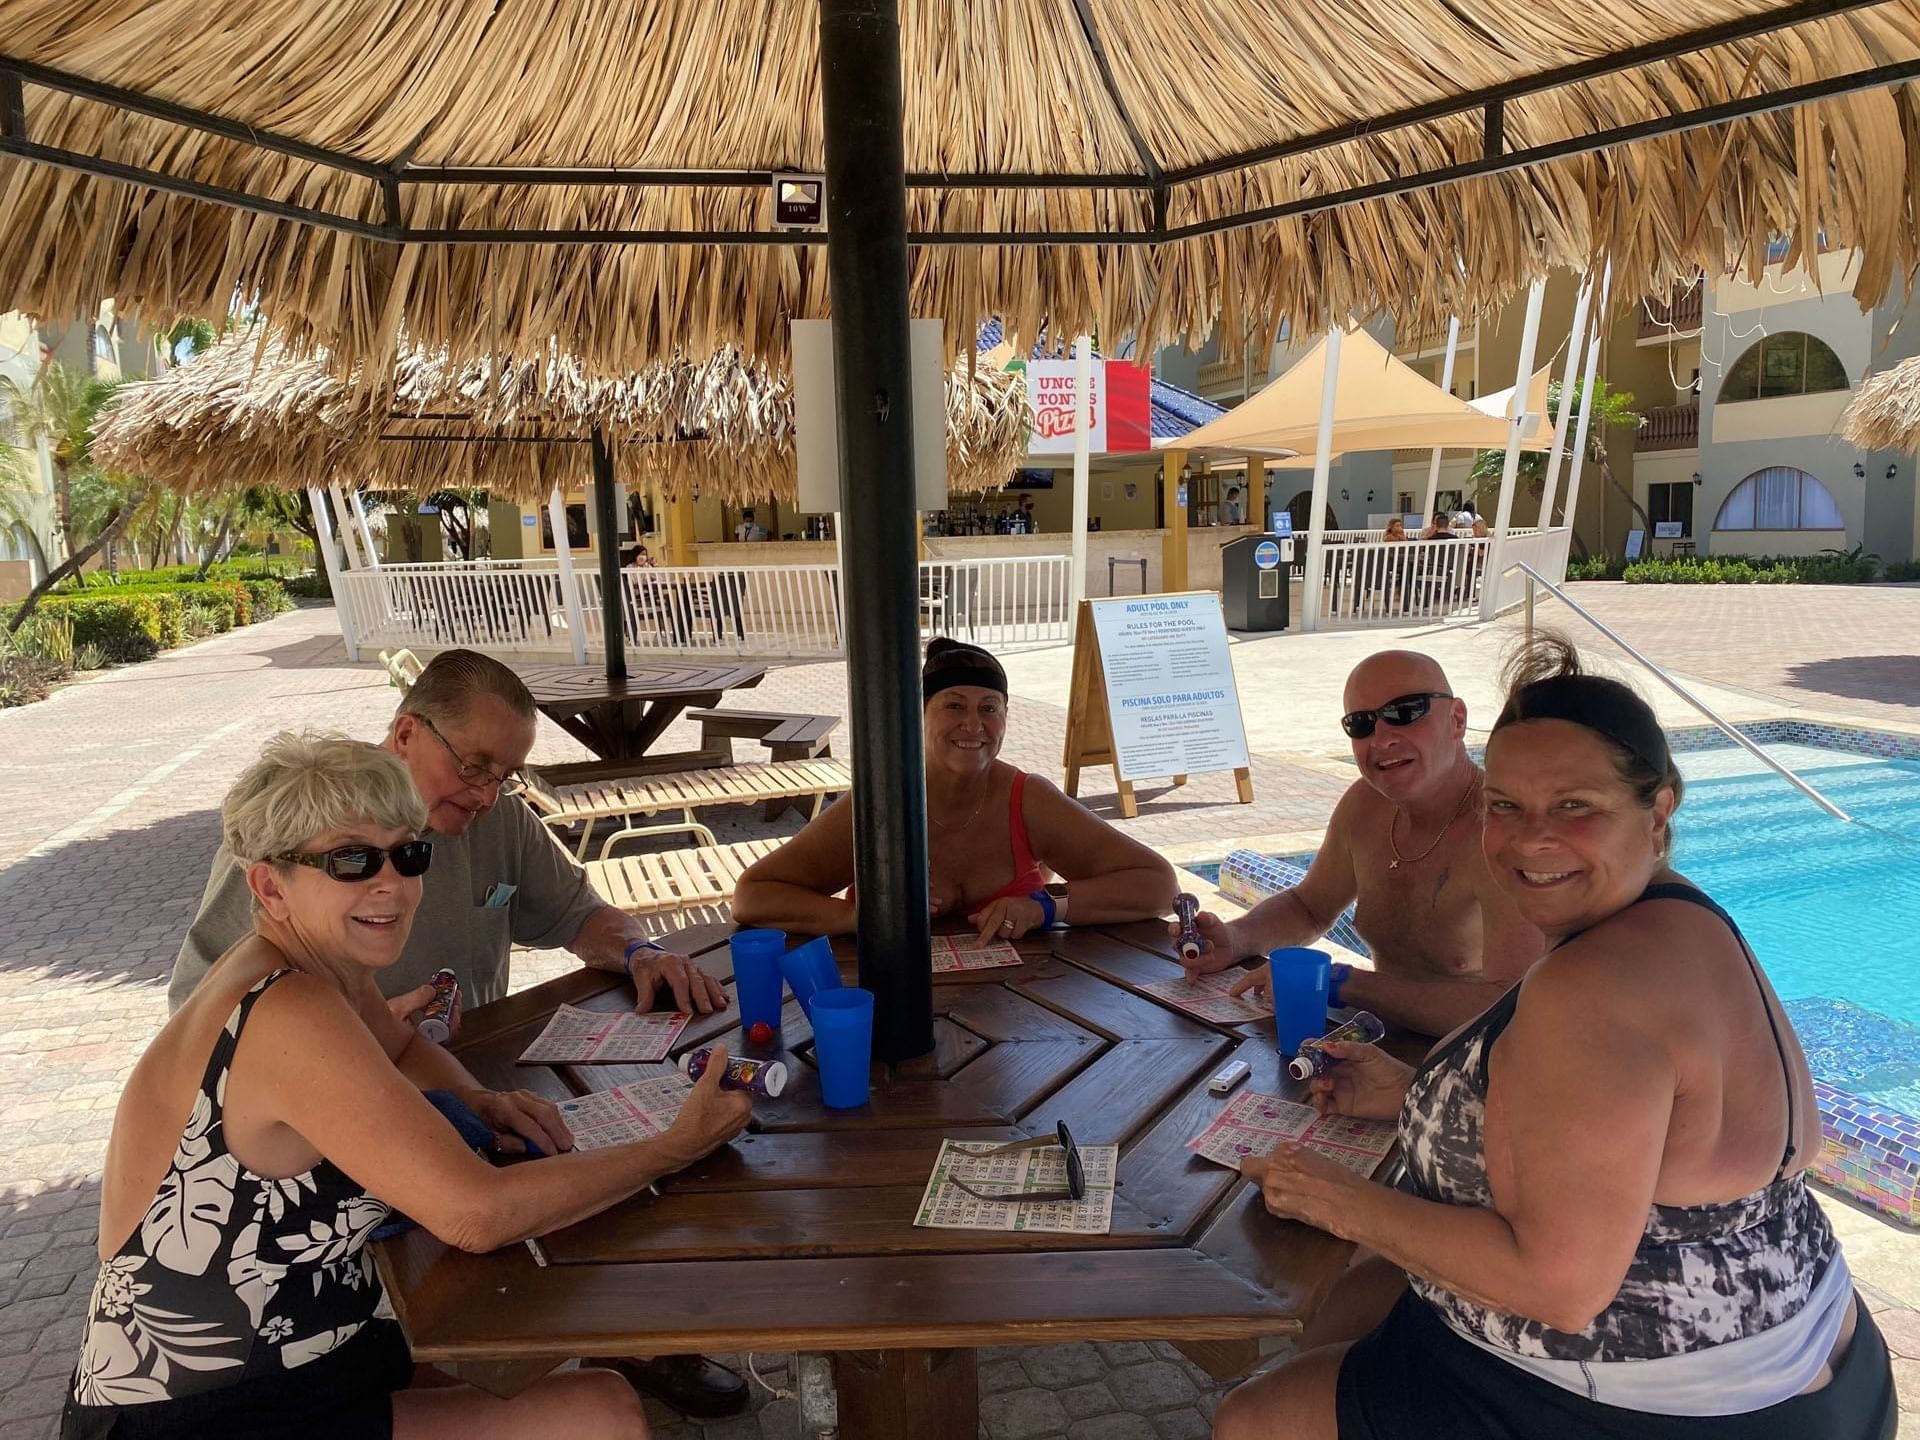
<point x="1006" y="924"/>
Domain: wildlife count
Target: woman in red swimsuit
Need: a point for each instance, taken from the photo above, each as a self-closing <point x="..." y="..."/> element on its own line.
<point x="996" y="835"/>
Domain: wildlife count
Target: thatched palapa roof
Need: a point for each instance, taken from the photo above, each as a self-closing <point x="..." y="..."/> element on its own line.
<point x="1885" y="415"/>
<point x="493" y="173"/>
<point x="249" y="412"/>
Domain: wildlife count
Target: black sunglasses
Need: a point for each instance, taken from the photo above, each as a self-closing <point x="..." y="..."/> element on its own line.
<point x="1401" y="710"/>
<point x="1076" y="1175"/>
<point x="363" y="862"/>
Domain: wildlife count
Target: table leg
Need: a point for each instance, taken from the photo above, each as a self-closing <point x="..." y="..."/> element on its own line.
<point x="928" y="1394"/>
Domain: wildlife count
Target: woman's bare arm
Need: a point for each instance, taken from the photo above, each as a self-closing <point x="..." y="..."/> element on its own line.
<point x="307" y="1061"/>
<point x="794" y="888"/>
<point x="1110" y="876"/>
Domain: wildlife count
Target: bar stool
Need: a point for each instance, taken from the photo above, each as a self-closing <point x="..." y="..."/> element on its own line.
<point x="1115" y="560"/>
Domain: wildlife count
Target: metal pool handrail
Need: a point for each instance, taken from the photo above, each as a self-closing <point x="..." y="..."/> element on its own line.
<point x="1534" y="577"/>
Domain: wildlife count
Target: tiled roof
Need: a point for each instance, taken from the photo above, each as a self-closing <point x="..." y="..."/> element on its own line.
<point x="1175" y="411"/>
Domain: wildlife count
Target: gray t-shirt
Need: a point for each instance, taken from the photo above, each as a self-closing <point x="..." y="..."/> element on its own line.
<point x="541" y="898"/>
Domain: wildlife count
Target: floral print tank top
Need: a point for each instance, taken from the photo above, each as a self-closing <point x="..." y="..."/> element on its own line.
<point x="229" y="1275"/>
<point x="1703" y="1275"/>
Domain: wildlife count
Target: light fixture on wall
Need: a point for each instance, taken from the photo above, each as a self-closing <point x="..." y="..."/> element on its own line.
<point x="1859" y="471"/>
<point x="1186" y="474"/>
<point x="1696" y="477"/>
<point x="696" y="490"/>
<point x="1892" y="470"/>
<point x="1345" y="496"/>
<point x="1369" y="497"/>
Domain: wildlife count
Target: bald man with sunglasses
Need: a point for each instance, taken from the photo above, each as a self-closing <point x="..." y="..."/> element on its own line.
<point x="1403" y="848"/>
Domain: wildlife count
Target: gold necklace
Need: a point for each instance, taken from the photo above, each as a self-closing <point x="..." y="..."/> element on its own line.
<point x="944" y="825"/>
<point x="1394" y="824"/>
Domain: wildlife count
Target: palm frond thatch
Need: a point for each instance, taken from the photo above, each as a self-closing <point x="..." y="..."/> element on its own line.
<point x="252" y="412"/>
<point x="992" y="87"/>
<point x="1885" y="415"/>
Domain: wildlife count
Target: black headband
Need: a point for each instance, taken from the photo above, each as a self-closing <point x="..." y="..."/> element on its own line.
<point x="1603" y="706"/>
<point x="953" y="665"/>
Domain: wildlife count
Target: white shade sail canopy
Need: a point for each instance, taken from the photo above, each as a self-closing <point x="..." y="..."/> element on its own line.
<point x="1383" y="404"/>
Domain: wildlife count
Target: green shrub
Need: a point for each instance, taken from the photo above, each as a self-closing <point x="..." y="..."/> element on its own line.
<point x="123" y="628"/>
<point x="1829" y="567"/>
<point x="1595" y="567"/>
<point x="1903" y="570"/>
<point x="46" y="637"/>
<point x="269" y="597"/>
<point x="198" y="619"/>
<point x="314" y="586"/>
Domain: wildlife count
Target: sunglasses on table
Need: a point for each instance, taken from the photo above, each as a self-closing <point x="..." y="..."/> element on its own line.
<point x="1061" y="1138"/>
<point x="1401" y="710"/>
<point x="351" y="863"/>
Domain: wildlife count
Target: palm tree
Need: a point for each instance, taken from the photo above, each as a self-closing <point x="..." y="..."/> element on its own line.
<point x="1610" y="407"/>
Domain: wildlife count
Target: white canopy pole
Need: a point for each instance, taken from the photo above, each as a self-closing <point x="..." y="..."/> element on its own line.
<point x="1572" y="511"/>
<point x="1516" y="421"/>
<point x="1322" y="465"/>
<point x="349" y="542"/>
<point x="569" y="587"/>
<point x="1446" y="384"/>
<point x="1082" y="453"/>
<point x="330" y="558"/>
<point x="365" y="530"/>
<point x="1569" y="383"/>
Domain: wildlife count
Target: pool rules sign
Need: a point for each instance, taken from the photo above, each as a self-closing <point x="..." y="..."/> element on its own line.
<point x="1154" y="695"/>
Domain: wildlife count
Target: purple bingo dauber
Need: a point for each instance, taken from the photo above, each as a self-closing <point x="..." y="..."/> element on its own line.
<point x="1187" y="910"/>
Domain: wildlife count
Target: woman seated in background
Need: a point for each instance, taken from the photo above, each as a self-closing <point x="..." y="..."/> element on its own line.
<point x="1611" y="1233"/>
<point x="278" y="1116"/>
<point x="1396" y="529"/>
<point x="996" y="833"/>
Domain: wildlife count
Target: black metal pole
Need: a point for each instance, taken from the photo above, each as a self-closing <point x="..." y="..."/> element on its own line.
<point x="867" y="271"/>
<point x="612" y="611"/>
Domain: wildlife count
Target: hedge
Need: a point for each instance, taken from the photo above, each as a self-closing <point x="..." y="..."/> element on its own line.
<point x="1849" y="568"/>
<point x="123" y="628"/>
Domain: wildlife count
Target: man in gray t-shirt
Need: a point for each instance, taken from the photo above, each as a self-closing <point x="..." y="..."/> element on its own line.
<point x="498" y="878"/>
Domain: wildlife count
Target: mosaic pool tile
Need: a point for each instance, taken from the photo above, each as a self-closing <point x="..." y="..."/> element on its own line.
<point x="1247" y="877"/>
<point x="1868" y="1151"/>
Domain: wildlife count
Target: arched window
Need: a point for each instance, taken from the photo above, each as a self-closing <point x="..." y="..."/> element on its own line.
<point x="1301" y="506"/>
<point x="1793" y="363"/>
<point x="1780" y="498"/>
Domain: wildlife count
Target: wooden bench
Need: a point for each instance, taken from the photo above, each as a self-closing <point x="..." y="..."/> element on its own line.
<point x="686" y="791"/>
<point x="403" y="668"/>
<point x="786" y="736"/>
<point x="671" y="880"/>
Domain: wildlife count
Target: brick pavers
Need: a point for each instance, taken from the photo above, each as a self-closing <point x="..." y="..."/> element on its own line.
<point x="113" y="788"/>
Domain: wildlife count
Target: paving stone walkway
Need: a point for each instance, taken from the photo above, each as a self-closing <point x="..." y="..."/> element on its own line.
<point x="112" y="790"/>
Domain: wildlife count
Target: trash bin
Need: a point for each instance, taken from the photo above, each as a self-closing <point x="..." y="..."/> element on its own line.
<point x="1253" y="581"/>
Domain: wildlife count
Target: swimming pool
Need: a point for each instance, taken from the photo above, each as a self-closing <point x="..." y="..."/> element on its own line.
<point x="1831" y="908"/>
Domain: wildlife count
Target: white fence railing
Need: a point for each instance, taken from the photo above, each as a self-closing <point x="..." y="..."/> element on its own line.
<point x="1544" y="550"/>
<point x="764" y="611"/>
<point x="1401" y="582"/>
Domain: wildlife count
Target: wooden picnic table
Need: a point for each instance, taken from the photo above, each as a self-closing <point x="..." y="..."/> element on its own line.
<point x="800" y="1235"/>
<point x="621" y="720"/>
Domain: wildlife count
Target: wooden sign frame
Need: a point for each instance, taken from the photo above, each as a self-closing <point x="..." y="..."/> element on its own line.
<point x="1090" y="723"/>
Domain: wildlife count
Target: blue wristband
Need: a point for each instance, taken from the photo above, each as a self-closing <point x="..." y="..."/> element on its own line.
<point x="1047" y="908"/>
<point x="1337" y="974"/>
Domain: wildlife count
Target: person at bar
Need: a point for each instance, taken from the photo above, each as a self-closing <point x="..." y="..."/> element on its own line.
<point x="1446" y="940"/>
<point x="500" y="879"/>
<point x="1609" y="1234"/>
<point x="995" y="833"/>
<point x="1396" y="530"/>
<point x="276" y="1121"/>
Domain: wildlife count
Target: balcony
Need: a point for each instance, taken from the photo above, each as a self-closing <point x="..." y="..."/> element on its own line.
<point x="1677" y="427"/>
<point x="1681" y="314"/>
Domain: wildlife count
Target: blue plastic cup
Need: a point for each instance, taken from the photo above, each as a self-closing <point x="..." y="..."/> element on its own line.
<point x="1299" y="980"/>
<point x="843" y="1045"/>
<point x="756" y="975"/>
<point x="809" y="969"/>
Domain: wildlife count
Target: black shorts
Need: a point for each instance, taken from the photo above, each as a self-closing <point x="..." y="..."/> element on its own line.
<point x="1415" y="1379"/>
<point x="346" y="1394"/>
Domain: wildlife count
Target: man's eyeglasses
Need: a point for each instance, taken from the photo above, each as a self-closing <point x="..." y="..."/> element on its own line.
<point x="1076" y="1175"/>
<point x="479" y="776"/>
<point x="1401" y="710"/>
<point x="352" y="863"/>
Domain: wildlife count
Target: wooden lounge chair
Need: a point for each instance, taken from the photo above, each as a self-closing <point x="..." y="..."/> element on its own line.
<point x="671" y="880"/>
<point x="684" y="791"/>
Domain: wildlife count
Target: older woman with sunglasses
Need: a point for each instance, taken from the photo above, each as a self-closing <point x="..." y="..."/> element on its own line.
<point x="1446" y="941"/>
<point x="1609" y="1235"/>
<point x="278" y="1116"/>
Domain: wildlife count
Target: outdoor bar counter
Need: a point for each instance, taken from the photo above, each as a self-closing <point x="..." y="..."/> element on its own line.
<point x="1126" y="547"/>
